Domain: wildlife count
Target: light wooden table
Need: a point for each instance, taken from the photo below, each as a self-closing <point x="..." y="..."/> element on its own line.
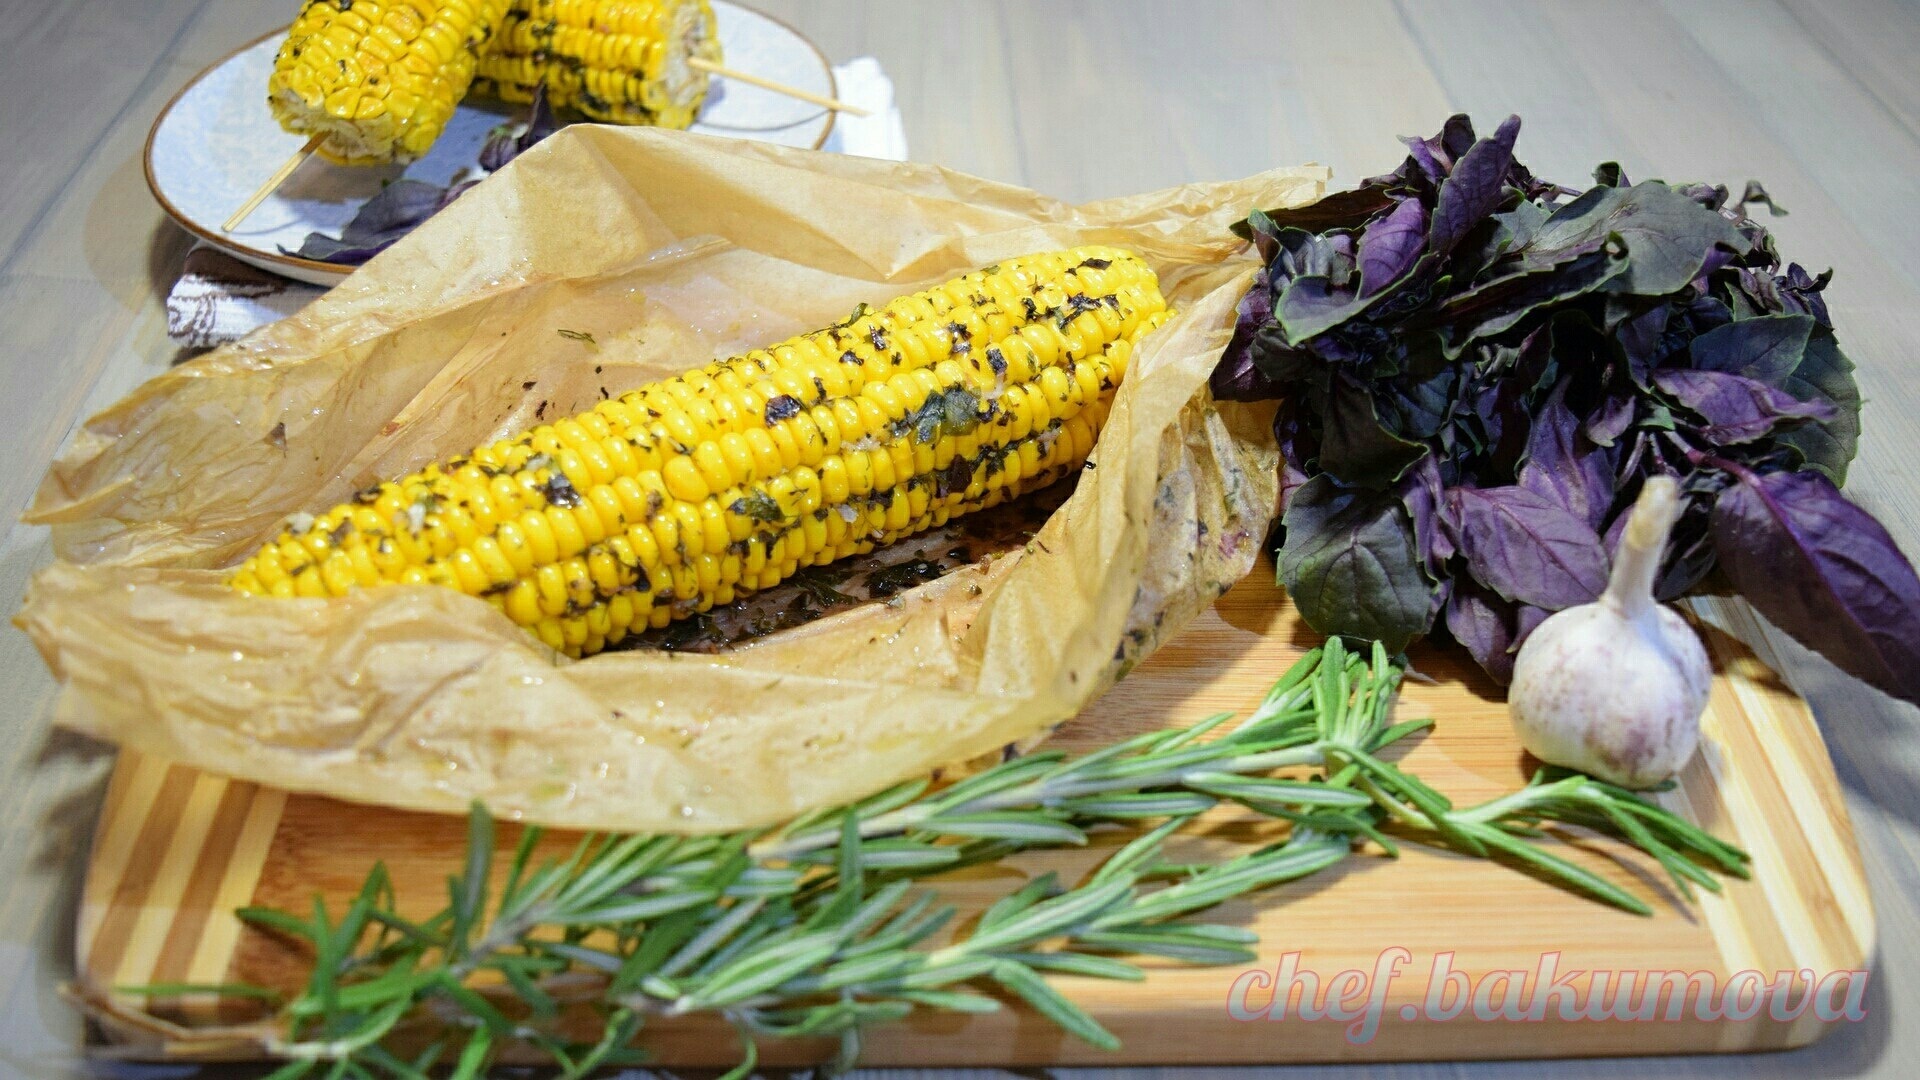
<point x="1819" y="98"/>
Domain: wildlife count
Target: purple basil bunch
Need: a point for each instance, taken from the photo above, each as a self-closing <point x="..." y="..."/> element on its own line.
<point x="1476" y="369"/>
<point x="403" y="205"/>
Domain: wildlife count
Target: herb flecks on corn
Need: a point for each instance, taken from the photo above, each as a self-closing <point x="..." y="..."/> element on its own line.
<point x="379" y="78"/>
<point x="620" y="61"/>
<point x="690" y="491"/>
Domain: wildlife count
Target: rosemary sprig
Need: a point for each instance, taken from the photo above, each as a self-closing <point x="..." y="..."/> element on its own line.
<point x="823" y="927"/>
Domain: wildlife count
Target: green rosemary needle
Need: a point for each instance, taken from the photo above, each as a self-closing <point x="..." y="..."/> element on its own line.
<point x="824" y="927"/>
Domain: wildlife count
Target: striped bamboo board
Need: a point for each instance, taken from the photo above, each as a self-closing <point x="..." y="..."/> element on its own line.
<point x="177" y="850"/>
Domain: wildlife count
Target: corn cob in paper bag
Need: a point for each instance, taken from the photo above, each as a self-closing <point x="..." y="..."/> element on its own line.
<point x="674" y="497"/>
<point x="599" y="268"/>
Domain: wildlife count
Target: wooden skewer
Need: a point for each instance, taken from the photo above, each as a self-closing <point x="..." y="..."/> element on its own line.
<point x="711" y="68"/>
<point x="279" y="177"/>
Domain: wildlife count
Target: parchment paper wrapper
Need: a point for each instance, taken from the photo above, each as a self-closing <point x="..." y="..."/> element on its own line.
<point x="667" y="249"/>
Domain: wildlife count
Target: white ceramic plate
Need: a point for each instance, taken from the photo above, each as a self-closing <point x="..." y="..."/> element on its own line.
<point x="215" y="142"/>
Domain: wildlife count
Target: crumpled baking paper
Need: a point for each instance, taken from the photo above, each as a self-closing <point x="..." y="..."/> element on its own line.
<point x="654" y="251"/>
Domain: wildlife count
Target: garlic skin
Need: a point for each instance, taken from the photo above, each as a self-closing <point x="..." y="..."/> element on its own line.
<point x="1616" y="688"/>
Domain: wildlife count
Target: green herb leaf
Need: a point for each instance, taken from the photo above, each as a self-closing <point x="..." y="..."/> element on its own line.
<point x="1051" y="1004"/>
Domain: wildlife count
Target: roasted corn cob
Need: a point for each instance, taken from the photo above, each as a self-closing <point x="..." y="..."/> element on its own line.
<point x="620" y="61"/>
<point x="690" y="491"/>
<point x="379" y="78"/>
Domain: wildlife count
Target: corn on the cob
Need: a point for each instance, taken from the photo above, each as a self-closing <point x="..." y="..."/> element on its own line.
<point x="690" y="491"/>
<point x="379" y="78"/>
<point x="621" y="61"/>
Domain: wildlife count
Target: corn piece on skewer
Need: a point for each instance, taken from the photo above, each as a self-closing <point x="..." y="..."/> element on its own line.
<point x="690" y="491"/>
<point x="619" y="61"/>
<point x="379" y="78"/>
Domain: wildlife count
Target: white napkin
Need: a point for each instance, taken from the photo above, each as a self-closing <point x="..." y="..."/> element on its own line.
<point x="219" y="299"/>
<point x="862" y="83"/>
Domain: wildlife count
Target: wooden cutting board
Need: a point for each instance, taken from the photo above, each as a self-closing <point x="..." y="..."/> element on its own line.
<point x="177" y="850"/>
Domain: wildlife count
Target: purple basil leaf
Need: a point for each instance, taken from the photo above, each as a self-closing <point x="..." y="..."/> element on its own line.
<point x="1499" y="305"/>
<point x="1298" y="254"/>
<point x="1491" y="629"/>
<point x="1641" y="338"/>
<point x="1500" y="408"/>
<point x="1667" y="235"/>
<point x="323" y="248"/>
<point x="1474" y="188"/>
<point x="504" y="144"/>
<point x="1435" y="157"/>
<point x="1564" y="465"/>
<point x="1711" y="196"/>
<point x="1526" y="618"/>
<point x="1312" y="305"/>
<point x="1422" y="491"/>
<point x="1519" y="225"/>
<point x="500" y="148"/>
<point x="378" y="223"/>
<point x="1609" y="174"/>
<point x="1795" y="293"/>
<point x="1736" y="409"/>
<point x="1418" y="407"/>
<point x="1354" y="446"/>
<point x="1702" y="314"/>
<point x="1671" y="239"/>
<point x="1422" y="156"/>
<point x="1690" y="555"/>
<point x="1609" y="421"/>
<point x="1485" y="246"/>
<point x="1260" y="228"/>
<point x="1825" y="571"/>
<point x="1350" y="564"/>
<point x="1537" y="361"/>
<point x="1758" y="294"/>
<point x="1717" y="259"/>
<point x="1235" y="378"/>
<point x="1341" y="268"/>
<point x="1801" y="293"/>
<point x="1484" y="624"/>
<point x="1754" y="193"/>
<point x="1454" y="140"/>
<point x="1340" y="210"/>
<point x="1278" y="362"/>
<point x="1298" y="449"/>
<point x="399" y="206"/>
<point x="541" y="121"/>
<point x="1526" y="547"/>
<point x="1825" y="375"/>
<point x="1391" y="245"/>
<point x="1768" y="348"/>
<point x="456" y="191"/>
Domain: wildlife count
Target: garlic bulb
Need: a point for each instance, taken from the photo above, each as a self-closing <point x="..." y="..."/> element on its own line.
<point x="1615" y="688"/>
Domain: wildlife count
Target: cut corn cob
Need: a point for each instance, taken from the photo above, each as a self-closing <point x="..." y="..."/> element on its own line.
<point x="379" y="78"/>
<point x="690" y="491"/>
<point x="621" y="61"/>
